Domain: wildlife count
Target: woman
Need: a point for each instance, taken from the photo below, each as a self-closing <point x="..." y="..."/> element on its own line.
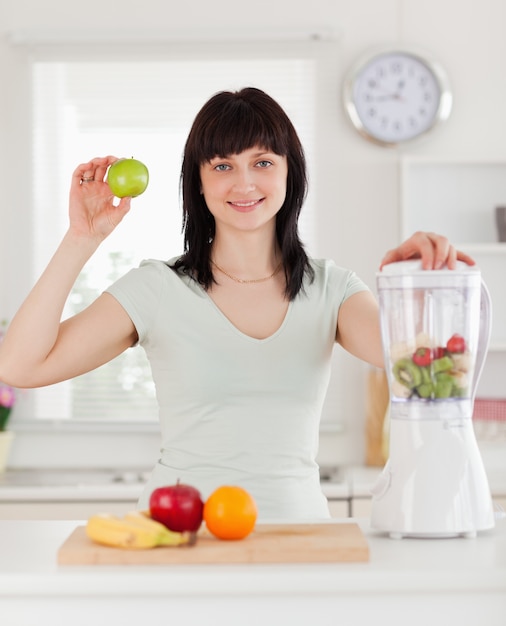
<point x="239" y="330"/>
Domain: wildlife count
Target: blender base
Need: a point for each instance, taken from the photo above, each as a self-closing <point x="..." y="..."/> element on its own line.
<point x="472" y="534"/>
<point x="434" y="484"/>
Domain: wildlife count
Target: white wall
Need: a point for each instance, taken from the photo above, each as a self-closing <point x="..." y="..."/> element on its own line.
<point x="360" y="217"/>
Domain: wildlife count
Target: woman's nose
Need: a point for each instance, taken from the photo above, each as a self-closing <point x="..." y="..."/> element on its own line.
<point x="244" y="181"/>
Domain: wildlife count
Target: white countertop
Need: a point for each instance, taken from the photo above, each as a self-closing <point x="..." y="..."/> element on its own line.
<point x="407" y="581"/>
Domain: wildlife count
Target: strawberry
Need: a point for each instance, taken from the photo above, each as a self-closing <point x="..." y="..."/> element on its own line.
<point x="438" y="352"/>
<point x="422" y="357"/>
<point x="456" y="344"/>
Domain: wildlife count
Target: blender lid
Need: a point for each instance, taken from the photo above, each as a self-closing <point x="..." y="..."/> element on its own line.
<point x="414" y="266"/>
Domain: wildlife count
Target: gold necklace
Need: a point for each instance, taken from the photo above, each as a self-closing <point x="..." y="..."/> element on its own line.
<point x="246" y="281"/>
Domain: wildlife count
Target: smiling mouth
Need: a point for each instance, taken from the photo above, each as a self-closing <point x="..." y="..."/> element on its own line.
<point x="245" y="206"/>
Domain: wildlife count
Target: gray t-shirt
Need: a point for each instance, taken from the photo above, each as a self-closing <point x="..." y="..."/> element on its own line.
<point x="233" y="409"/>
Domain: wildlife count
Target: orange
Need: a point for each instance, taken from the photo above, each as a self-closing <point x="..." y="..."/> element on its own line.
<point x="230" y="512"/>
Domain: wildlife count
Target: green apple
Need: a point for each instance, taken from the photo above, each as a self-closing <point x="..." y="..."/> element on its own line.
<point x="128" y="177"/>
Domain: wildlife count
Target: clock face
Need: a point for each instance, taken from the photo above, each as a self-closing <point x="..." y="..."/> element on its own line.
<point x="396" y="96"/>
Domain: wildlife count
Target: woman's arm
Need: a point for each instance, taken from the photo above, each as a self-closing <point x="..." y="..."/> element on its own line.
<point x="38" y="348"/>
<point x="358" y="328"/>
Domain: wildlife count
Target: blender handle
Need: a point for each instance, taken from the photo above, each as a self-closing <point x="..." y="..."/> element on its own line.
<point x="484" y="338"/>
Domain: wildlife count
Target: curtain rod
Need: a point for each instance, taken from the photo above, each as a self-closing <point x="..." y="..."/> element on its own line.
<point x="101" y="36"/>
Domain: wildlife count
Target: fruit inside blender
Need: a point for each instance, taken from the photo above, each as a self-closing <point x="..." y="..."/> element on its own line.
<point x="430" y="370"/>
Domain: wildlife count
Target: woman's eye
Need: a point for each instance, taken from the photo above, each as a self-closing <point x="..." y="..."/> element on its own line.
<point x="222" y="167"/>
<point x="264" y="163"/>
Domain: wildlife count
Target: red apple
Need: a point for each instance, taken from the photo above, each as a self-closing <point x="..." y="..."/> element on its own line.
<point x="128" y="177"/>
<point x="179" y="507"/>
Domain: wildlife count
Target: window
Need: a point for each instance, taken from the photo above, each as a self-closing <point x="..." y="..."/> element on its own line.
<point x="142" y="108"/>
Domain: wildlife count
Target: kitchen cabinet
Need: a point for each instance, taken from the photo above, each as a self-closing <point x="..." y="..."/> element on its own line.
<point x="361" y="507"/>
<point x="348" y="495"/>
<point x="83" y="510"/>
<point x="339" y="508"/>
<point x="351" y="507"/>
<point x="500" y="503"/>
<point x="63" y="494"/>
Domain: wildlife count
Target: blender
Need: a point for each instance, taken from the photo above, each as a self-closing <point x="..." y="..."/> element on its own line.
<point x="435" y="328"/>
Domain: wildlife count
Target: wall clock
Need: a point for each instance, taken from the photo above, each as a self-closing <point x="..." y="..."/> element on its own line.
<point x="394" y="96"/>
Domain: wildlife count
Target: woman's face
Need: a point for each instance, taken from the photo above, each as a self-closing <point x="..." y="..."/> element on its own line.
<point x="245" y="191"/>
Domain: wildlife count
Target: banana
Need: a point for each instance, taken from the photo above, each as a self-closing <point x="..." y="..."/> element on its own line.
<point x="462" y="362"/>
<point x="423" y="340"/>
<point x="134" y="531"/>
<point x="167" y="537"/>
<point x="144" y="520"/>
<point x="399" y="390"/>
<point x="401" y="350"/>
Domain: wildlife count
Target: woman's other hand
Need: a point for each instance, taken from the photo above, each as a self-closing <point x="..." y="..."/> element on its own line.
<point x="92" y="211"/>
<point x="434" y="250"/>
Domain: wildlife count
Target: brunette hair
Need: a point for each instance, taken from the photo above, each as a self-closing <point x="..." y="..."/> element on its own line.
<point x="229" y="123"/>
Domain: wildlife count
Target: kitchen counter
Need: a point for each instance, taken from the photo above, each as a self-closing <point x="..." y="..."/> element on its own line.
<point x="101" y="485"/>
<point x="415" y="581"/>
<point x="71" y="485"/>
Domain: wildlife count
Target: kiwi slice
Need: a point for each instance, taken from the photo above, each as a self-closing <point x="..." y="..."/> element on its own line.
<point x="425" y="390"/>
<point x="407" y="373"/>
<point x="444" y="385"/>
<point x="442" y="365"/>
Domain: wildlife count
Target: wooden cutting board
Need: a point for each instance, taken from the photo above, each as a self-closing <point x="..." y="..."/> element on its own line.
<point x="268" y="543"/>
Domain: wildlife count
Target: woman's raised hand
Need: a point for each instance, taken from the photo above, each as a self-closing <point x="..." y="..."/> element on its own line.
<point x="92" y="211"/>
<point x="434" y="250"/>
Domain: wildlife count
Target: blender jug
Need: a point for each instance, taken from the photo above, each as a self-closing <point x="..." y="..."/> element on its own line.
<point x="435" y="328"/>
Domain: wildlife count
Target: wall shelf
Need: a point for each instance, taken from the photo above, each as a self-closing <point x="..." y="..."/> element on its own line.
<point x="458" y="198"/>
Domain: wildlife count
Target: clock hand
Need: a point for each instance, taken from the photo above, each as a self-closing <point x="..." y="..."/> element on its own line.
<point x="390" y="96"/>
